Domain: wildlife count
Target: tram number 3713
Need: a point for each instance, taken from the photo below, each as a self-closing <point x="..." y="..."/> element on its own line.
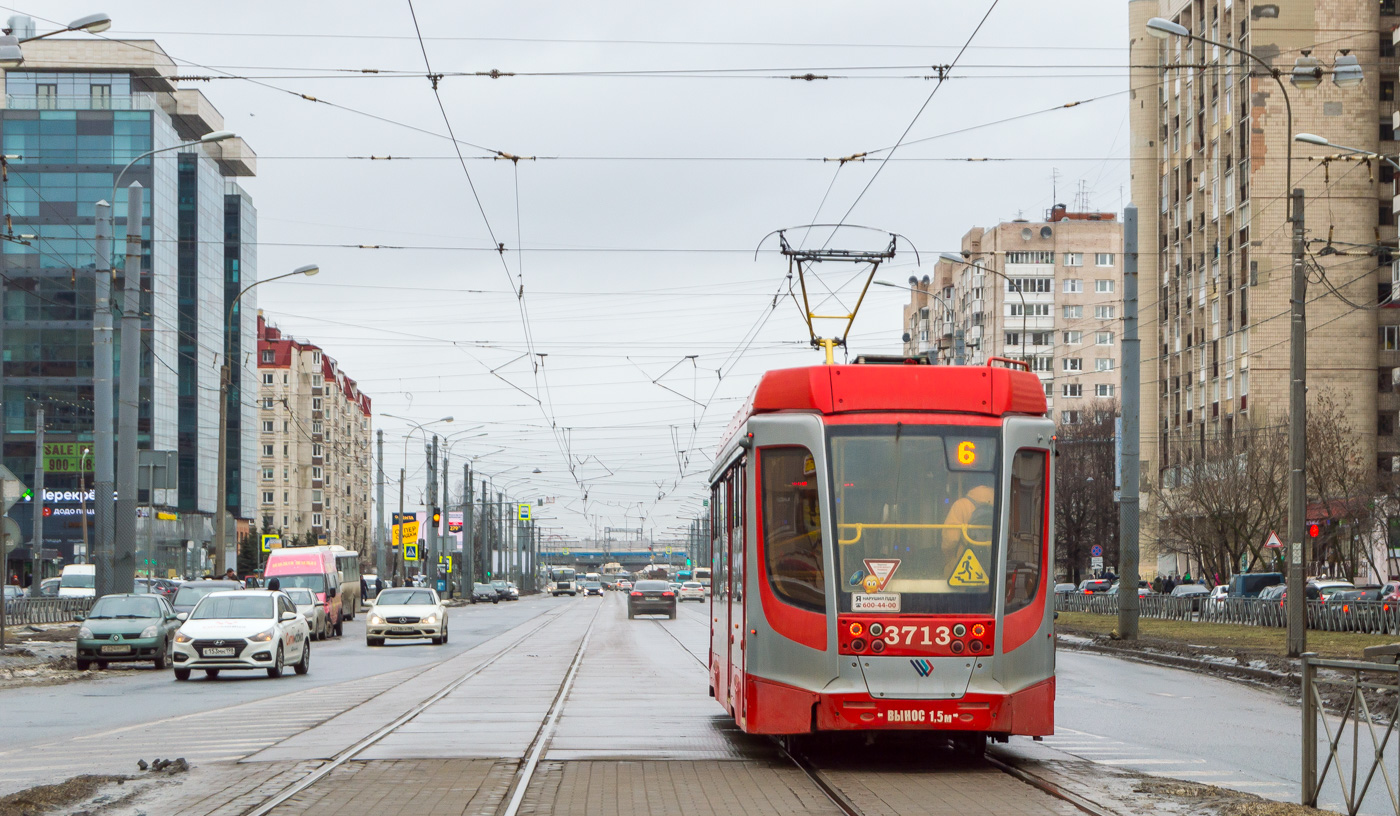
<point x="892" y="635"/>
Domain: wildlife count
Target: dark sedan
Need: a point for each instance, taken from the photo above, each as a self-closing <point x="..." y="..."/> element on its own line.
<point x="651" y="598"/>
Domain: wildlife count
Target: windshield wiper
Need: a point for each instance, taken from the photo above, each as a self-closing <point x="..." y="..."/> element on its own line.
<point x="128" y="615"/>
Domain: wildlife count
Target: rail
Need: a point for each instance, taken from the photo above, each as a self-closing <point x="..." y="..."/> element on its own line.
<point x="1357" y="680"/>
<point x="22" y="611"/>
<point x="1375" y="617"/>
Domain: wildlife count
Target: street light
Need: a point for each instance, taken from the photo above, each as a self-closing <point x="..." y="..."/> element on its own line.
<point x="403" y="472"/>
<point x="910" y="288"/>
<point x="958" y="259"/>
<point x="1306" y="74"/>
<point x="12" y="56"/>
<point x="225" y="375"/>
<point x="1314" y="139"/>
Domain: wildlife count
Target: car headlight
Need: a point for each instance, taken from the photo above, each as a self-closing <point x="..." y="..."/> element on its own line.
<point x="150" y="631"/>
<point x="84" y="633"/>
<point x="376" y="619"/>
<point x="430" y="619"/>
<point x="264" y="636"/>
<point x="181" y="637"/>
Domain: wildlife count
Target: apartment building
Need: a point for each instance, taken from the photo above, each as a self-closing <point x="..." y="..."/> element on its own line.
<point x="1048" y="292"/>
<point x="1210" y="142"/>
<point x="314" y="456"/>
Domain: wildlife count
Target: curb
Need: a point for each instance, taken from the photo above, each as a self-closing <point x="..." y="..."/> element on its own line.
<point x="1187" y="663"/>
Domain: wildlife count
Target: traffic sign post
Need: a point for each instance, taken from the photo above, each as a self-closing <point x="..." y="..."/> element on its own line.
<point x="1096" y="551"/>
<point x="270" y="543"/>
<point x="410" y="551"/>
<point x="523" y="512"/>
<point x="1273" y="541"/>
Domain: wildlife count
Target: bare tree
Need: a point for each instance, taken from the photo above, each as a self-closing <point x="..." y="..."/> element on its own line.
<point x="1221" y="496"/>
<point x="1085" y="512"/>
<point x="1344" y="488"/>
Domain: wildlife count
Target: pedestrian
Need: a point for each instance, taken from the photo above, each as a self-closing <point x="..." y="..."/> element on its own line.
<point x="364" y="589"/>
<point x="1169" y="585"/>
<point x="1186" y="579"/>
<point x="230" y="575"/>
<point x="1157" y="584"/>
<point x="273" y="584"/>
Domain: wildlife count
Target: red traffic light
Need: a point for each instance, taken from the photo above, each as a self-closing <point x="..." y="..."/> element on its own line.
<point x="1314" y="530"/>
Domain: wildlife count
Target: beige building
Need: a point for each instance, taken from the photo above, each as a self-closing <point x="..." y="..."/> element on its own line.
<point x="1049" y="292"/>
<point x="1209" y="146"/>
<point x="314" y="462"/>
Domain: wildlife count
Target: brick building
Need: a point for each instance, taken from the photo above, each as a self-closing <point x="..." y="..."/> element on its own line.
<point x="314" y="457"/>
<point x="1209" y="142"/>
<point x="1049" y="292"/>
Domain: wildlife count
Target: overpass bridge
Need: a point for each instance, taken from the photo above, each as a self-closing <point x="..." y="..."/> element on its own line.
<point x="590" y="560"/>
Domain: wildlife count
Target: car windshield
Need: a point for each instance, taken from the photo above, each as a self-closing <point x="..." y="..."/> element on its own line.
<point x="315" y="583"/>
<point x="301" y="596"/>
<point x="404" y="597"/>
<point x="591" y="585"/>
<point x="85" y="580"/>
<point x="692" y="585"/>
<point x="562" y="575"/>
<point x="221" y="607"/>
<point x="919" y="506"/>
<point x="499" y="584"/>
<point x="651" y="586"/>
<point x="190" y="594"/>
<point x="117" y="607"/>
<point x="1190" y="589"/>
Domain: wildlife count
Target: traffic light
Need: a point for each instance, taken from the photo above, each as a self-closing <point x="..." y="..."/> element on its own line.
<point x="1314" y="530"/>
<point x="437" y="516"/>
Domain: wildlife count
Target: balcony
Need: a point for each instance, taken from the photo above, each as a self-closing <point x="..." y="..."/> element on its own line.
<point x="136" y="101"/>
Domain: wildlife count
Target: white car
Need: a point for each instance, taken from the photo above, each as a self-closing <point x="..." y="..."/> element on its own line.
<point x="406" y="612"/>
<point x="313" y="610"/>
<point x="242" y="630"/>
<point x="691" y="591"/>
<point x="1218" y="594"/>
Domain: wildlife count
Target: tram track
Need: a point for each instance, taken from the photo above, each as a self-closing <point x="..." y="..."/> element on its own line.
<point x="530" y="758"/>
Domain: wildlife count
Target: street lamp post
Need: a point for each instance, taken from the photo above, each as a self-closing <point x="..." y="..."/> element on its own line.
<point x="398" y="528"/>
<point x="104" y="460"/>
<point x="1306" y="74"/>
<point x="225" y="377"/>
<point x="82" y="500"/>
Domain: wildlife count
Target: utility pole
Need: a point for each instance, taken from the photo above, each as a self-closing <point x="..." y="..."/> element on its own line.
<point x="446" y="539"/>
<point x="432" y="536"/>
<point x="381" y="554"/>
<point x="502" y="546"/>
<point x="36" y="546"/>
<point x="129" y="400"/>
<point x="104" y="482"/>
<point x="1297" y="438"/>
<point x="1128" y="454"/>
<point x="467" y="578"/>
<point x="398" y="531"/>
<point x="485" y="531"/>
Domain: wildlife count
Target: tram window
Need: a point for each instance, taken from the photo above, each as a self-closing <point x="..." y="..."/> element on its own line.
<point x="719" y="529"/>
<point x="792" y="527"/>
<point x="1025" y="540"/>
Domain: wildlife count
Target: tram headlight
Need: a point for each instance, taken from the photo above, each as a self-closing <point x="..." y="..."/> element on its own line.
<point x="959" y="630"/>
<point x="856" y="629"/>
<point x="876" y="630"/>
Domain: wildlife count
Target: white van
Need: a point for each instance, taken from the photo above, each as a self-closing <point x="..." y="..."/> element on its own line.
<point x="78" y="581"/>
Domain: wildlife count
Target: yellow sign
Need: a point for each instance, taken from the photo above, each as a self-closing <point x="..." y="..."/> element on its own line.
<point x="409" y="530"/>
<point x="522" y="512"/>
<point x="161" y="515"/>
<point x="967" y="453"/>
<point x="270" y="543"/>
<point x="968" y="572"/>
<point x="410" y="552"/>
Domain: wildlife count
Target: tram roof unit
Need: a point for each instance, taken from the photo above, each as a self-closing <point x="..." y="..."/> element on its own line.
<point x="912" y="386"/>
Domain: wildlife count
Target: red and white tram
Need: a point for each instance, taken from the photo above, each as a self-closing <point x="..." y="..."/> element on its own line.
<point x="882" y="552"/>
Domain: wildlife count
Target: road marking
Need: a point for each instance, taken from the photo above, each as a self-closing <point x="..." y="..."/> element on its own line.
<point x="1150" y="761"/>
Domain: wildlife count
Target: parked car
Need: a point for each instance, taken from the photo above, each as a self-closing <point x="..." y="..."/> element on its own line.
<point x="1218" y="594"/>
<point x="78" y="581"/>
<point x="514" y="591"/>
<point x="406" y="613"/>
<point x="1144" y="588"/>
<point x="1329" y="587"/>
<point x="1273" y="593"/>
<point x="314" y="610"/>
<point x="191" y="592"/>
<point x="242" y="630"/>
<point x="481" y="593"/>
<point x="691" y="591"/>
<point x="651" y="598"/>
<point x="592" y="588"/>
<point x="126" y="628"/>
<point x="1195" y="592"/>
<point x="48" y="588"/>
<point x="1065" y="589"/>
<point x="1391" y="591"/>
<point x="503" y="590"/>
<point x="1095" y="586"/>
<point x="1250" y="584"/>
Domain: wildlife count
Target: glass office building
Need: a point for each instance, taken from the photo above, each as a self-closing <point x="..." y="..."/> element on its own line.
<point x="73" y="132"/>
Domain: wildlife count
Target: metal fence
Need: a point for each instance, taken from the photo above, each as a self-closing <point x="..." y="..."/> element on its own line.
<point x="1367" y="731"/>
<point x="1377" y="617"/>
<point x="22" y="611"/>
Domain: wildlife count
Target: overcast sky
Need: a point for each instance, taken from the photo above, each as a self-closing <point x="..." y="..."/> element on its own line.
<point x="638" y="232"/>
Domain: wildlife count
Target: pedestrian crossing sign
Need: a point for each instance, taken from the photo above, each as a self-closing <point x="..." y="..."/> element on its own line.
<point x="270" y="543"/>
<point x="968" y="572"/>
<point x="410" y="552"/>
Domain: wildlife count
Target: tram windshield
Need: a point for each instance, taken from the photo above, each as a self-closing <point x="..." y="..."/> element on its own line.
<point x="915" y="524"/>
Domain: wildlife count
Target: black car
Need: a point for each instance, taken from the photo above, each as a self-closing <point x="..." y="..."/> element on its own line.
<point x="651" y="598"/>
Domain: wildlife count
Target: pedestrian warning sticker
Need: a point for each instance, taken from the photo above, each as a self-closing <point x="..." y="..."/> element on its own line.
<point x="968" y="572"/>
<point x="882" y="570"/>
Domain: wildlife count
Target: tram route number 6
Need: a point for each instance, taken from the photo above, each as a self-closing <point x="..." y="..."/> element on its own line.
<point x="941" y="635"/>
<point x="967" y="453"/>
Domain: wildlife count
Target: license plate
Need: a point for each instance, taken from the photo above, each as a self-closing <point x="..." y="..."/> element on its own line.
<point x="116" y="650"/>
<point x="223" y="651"/>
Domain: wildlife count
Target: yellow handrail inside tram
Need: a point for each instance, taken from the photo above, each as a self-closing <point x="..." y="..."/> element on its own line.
<point x="860" y="529"/>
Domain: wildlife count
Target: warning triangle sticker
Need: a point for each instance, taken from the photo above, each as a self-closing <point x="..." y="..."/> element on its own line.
<point x="968" y="572"/>
<point x="882" y="569"/>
